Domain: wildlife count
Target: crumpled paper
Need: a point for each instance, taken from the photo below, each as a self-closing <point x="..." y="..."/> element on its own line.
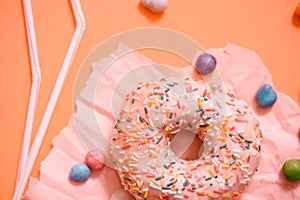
<point x="241" y="70"/>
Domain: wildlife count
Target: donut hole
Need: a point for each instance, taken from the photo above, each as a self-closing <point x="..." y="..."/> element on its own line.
<point x="186" y="145"/>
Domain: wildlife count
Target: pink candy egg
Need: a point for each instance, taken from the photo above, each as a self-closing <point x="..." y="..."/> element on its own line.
<point x="95" y="159"/>
<point x="156" y="6"/>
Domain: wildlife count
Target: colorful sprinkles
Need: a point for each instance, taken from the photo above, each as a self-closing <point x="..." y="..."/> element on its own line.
<point x="155" y="111"/>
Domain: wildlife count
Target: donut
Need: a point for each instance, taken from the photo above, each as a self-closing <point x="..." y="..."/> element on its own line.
<point x="155" y="112"/>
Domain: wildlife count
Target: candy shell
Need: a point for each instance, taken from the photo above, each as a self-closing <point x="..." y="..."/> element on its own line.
<point x="206" y="63"/>
<point x="266" y="96"/>
<point x="95" y="159"/>
<point x="291" y="169"/>
<point x="80" y="173"/>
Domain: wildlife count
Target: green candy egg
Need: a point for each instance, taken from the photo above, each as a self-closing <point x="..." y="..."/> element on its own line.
<point x="291" y="169"/>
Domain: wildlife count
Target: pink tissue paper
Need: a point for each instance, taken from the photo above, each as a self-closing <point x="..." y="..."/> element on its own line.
<point x="241" y="70"/>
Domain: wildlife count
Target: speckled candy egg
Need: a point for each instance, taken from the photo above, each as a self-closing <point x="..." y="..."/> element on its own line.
<point x="95" y="159"/>
<point x="291" y="169"/>
<point x="155" y="6"/>
<point x="266" y="96"/>
<point x="205" y="64"/>
<point x="80" y="172"/>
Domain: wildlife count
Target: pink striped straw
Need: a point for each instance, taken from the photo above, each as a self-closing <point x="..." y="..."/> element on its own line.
<point x="80" y="27"/>
<point x="35" y="85"/>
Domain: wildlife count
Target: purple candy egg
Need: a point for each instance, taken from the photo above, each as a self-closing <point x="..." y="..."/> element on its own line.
<point x="206" y="63"/>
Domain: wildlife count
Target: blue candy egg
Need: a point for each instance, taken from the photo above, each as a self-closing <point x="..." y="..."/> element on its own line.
<point x="205" y="63"/>
<point x="266" y="96"/>
<point x="80" y="172"/>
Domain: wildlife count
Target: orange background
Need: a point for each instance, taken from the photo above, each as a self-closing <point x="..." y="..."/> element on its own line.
<point x="267" y="27"/>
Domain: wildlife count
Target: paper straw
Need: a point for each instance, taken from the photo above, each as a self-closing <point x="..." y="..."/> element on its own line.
<point x="35" y="85"/>
<point x="80" y="27"/>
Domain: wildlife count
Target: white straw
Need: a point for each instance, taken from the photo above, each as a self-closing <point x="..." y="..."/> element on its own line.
<point x="35" y="85"/>
<point x="80" y="27"/>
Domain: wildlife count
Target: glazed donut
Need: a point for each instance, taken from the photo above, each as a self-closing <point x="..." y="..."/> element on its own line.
<point x="156" y="111"/>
